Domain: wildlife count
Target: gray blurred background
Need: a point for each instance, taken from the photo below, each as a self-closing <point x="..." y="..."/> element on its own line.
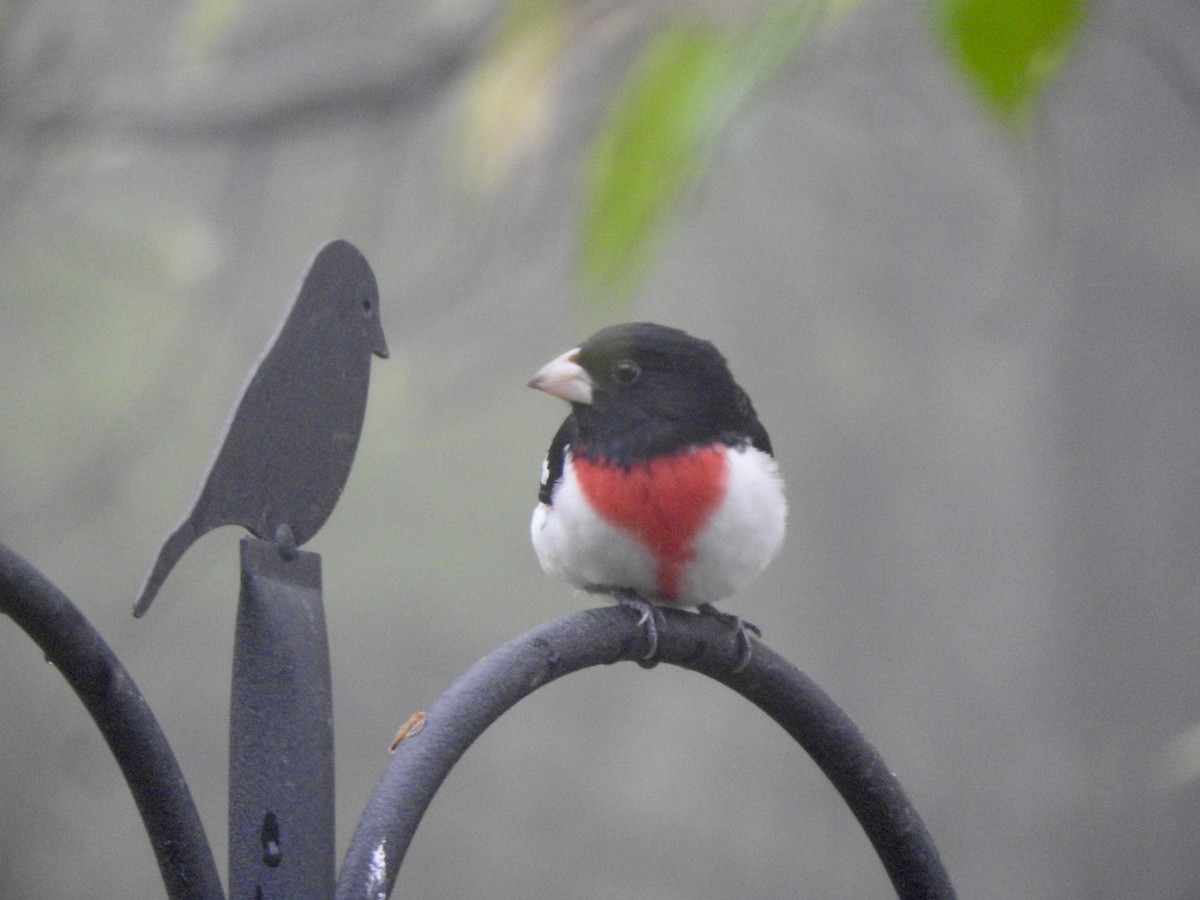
<point x="978" y="356"/>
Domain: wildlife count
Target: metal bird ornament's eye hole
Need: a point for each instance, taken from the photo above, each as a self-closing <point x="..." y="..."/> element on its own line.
<point x="626" y="372"/>
<point x="367" y="307"/>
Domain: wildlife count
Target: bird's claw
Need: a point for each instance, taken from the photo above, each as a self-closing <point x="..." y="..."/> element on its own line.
<point x="648" y="621"/>
<point x="741" y="628"/>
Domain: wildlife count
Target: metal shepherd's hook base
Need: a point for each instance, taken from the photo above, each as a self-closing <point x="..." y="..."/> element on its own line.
<point x="278" y="471"/>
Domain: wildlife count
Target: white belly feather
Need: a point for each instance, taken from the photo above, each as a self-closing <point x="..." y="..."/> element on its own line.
<point x="739" y="541"/>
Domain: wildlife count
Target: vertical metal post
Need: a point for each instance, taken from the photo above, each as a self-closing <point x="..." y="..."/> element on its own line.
<point x="281" y="837"/>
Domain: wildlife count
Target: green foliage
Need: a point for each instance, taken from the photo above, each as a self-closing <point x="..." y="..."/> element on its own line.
<point x="204" y="25"/>
<point x="658" y="138"/>
<point x="1009" y="49"/>
<point x="691" y="77"/>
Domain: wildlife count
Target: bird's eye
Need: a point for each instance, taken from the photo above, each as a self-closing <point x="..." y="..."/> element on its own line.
<point x="626" y="372"/>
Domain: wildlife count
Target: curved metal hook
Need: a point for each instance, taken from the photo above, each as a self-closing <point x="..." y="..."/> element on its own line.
<point x="608" y="635"/>
<point x="123" y="717"/>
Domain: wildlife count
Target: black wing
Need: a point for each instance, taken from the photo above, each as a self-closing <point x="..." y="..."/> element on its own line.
<point x="749" y="427"/>
<point x="758" y="437"/>
<point x="552" y="468"/>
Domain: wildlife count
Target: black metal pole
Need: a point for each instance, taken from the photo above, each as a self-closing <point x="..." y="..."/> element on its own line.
<point x="608" y="635"/>
<point x="112" y="699"/>
<point x="281" y="731"/>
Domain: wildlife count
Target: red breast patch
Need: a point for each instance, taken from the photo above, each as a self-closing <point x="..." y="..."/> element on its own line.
<point x="665" y="503"/>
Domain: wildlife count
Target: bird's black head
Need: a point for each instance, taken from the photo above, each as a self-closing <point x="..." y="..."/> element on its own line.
<point x="646" y="389"/>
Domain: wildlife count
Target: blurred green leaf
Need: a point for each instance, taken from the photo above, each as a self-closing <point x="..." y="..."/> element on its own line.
<point x="1009" y="49"/>
<point x="204" y="26"/>
<point x="659" y="135"/>
<point x="509" y="99"/>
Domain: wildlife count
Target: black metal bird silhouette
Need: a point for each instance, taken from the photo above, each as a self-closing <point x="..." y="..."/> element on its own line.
<point x="291" y="437"/>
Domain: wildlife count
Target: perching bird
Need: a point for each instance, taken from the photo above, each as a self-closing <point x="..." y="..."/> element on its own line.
<point x="290" y="440"/>
<point x="660" y="487"/>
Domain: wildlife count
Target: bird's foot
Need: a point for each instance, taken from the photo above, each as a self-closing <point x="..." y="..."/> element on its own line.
<point x="649" y="622"/>
<point x="741" y="628"/>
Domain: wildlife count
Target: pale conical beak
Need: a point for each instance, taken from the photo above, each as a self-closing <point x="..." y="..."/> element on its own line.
<point x="563" y="377"/>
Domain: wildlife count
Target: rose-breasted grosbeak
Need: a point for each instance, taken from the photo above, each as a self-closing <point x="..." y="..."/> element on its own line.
<point x="660" y="486"/>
